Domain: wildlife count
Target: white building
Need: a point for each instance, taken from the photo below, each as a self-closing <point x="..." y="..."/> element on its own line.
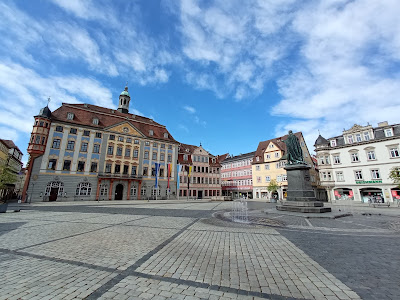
<point x="356" y="164"/>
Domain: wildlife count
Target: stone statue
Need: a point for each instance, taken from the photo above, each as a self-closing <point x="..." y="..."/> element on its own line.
<point x="294" y="153"/>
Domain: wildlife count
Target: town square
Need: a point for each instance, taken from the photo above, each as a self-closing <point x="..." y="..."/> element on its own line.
<point x="199" y="149"/>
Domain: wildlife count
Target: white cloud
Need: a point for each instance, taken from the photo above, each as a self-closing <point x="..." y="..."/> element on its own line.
<point x="346" y="74"/>
<point x="190" y="109"/>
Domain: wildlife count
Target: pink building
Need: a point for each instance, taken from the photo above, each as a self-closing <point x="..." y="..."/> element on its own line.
<point x="236" y="176"/>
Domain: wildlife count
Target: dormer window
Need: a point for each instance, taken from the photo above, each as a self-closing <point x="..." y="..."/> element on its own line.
<point x="151" y="132"/>
<point x="350" y="139"/>
<point x="70" y="116"/>
<point x="358" y="137"/>
<point x="333" y="143"/>
<point x="366" y="136"/>
<point x="165" y="135"/>
<point x="95" y="121"/>
<point x="257" y="158"/>
<point x="388" y="132"/>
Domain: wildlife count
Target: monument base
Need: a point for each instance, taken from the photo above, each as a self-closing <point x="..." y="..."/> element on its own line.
<point x="300" y="195"/>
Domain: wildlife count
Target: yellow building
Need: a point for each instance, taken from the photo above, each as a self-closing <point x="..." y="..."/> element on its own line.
<point x="268" y="166"/>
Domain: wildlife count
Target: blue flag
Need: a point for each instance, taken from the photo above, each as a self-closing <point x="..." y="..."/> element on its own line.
<point x="158" y="165"/>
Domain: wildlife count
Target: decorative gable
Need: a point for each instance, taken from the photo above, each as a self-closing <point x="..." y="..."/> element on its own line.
<point x="125" y="128"/>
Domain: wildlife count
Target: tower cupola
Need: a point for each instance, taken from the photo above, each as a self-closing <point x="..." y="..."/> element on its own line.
<point x="124" y="99"/>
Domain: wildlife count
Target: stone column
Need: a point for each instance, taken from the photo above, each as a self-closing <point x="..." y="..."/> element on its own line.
<point x="129" y="190"/>
<point x="98" y="189"/>
<point x="139" y="190"/>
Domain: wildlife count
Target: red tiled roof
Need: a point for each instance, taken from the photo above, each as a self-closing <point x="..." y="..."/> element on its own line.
<point x="279" y="142"/>
<point x="84" y="114"/>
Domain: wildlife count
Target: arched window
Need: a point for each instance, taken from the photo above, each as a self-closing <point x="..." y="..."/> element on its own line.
<point x="143" y="191"/>
<point x="103" y="190"/>
<point x="84" y="189"/>
<point x="154" y="191"/>
<point x="54" y="185"/>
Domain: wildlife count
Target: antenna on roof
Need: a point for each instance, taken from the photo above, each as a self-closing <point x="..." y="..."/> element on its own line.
<point x="48" y="101"/>
<point x="127" y="83"/>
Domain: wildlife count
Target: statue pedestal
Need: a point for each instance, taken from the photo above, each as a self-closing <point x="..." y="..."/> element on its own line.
<point x="300" y="195"/>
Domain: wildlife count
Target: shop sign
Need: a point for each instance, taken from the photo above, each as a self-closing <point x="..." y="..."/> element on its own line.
<point x="367" y="182"/>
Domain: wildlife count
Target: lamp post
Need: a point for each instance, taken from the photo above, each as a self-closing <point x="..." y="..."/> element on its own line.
<point x="30" y="198"/>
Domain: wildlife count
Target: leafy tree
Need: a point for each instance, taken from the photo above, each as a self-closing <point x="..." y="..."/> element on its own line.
<point x="395" y="175"/>
<point x="7" y="176"/>
<point x="273" y="186"/>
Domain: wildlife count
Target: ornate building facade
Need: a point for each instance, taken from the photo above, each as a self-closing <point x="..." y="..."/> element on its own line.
<point x="268" y="164"/>
<point x="236" y="176"/>
<point x="200" y="176"/>
<point x="10" y="158"/>
<point x="87" y="152"/>
<point x="356" y="164"/>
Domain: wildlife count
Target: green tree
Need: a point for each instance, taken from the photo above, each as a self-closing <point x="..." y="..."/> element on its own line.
<point x="395" y="175"/>
<point x="7" y="176"/>
<point x="273" y="186"/>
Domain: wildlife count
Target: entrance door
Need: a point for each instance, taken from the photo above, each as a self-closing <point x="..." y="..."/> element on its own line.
<point x="200" y="194"/>
<point x="53" y="194"/>
<point x="119" y="189"/>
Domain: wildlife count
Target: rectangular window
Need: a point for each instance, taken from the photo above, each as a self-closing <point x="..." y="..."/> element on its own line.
<point x="98" y="135"/>
<point x="110" y="150"/>
<point x="162" y="156"/>
<point x="73" y="131"/>
<point x="169" y="147"/>
<point x="108" y="168"/>
<point x="329" y="174"/>
<point x="354" y="157"/>
<point x="67" y="165"/>
<point x="266" y="167"/>
<point x="127" y="152"/>
<point x="268" y="156"/>
<point x="276" y="154"/>
<point x="161" y="172"/>
<point x="134" y="170"/>
<point x="37" y="140"/>
<point x="120" y="138"/>
<point x="366" y="136"/>
<point x="185" y="157"/>
<point x="279" y="178"/>
<point x="93" y="167"/>
<point x="258" y="179"/>
<point x="56" y="143"/>
<point x="43" y="140"/>
<point x="339" y="176"/>
<point x="81" y="166"/>
<point x="284" y="177"/>
<point x="327" y="160"/>
<point x="394" y="152"/>
<point x="117" y="169"/>
<point x="59" y="128"/>
<point x="375" y="174"/>
<point x="371" y="155"/>
<point x="119" y="151"/>
<point x="96" y="148"/>
<point x="333" y="143"/>
<point x="267" y="178"/>
<point x="350" y="139"/>
<point x="128" y="140"/>
<point x="135" y="153"/>
<point x="126" y="170"/>
<point x="154" y="144"/>
<point x="336" y="159"/>
<point x="71" y="145"/>
<point x="162" y="146"/>
<point x="257" y="168"/>
<point x="358" y="137"/>
<point x="86" y="133"/>
<point x="136" y="141"/>
<point x="147" y="143"/>
<point x="112" y="137"/>
<point x="52" y="164"/>
<point x="154" y="156"/>
<point x="169" y="157"/>
<point x="145" y="171"/>
<point x="84" y="147"/>
<point x="146" y="154"/>
<point x="388" y="132"/>
<point x="358" y="175"/>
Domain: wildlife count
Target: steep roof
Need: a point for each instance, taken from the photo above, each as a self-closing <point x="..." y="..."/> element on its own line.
<point x="279" y="142"/>
<point x="321" y="141"/>
<point x="10" y="144"/>
<point x="85" y="113"/>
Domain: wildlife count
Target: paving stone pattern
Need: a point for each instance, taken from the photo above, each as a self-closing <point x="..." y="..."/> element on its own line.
<point x="170" y="250"/>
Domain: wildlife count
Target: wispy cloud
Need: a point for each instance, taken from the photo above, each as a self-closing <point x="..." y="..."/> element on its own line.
<point x="190" y="109"/>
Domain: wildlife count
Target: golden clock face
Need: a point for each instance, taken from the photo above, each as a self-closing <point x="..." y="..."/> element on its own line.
<point x="35" y="177"/>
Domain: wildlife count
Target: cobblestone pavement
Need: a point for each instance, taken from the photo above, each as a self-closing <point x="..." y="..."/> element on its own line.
<point x="177" y="250"/>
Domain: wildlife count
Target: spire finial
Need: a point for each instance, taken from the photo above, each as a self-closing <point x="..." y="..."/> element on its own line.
<point x="48" y="101"/>
<point x="200" y="144"/>
<point x="319" y="132"/>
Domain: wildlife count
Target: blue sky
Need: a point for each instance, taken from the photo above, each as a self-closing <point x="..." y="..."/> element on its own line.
<point x="228" y="74"/>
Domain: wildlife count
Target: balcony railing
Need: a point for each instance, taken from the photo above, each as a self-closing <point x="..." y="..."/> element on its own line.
<point x="119" y="175"/>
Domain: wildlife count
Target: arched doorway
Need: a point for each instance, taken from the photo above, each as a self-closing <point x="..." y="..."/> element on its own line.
<point x="119" y="190"/>
<point x="54" y="189"/>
